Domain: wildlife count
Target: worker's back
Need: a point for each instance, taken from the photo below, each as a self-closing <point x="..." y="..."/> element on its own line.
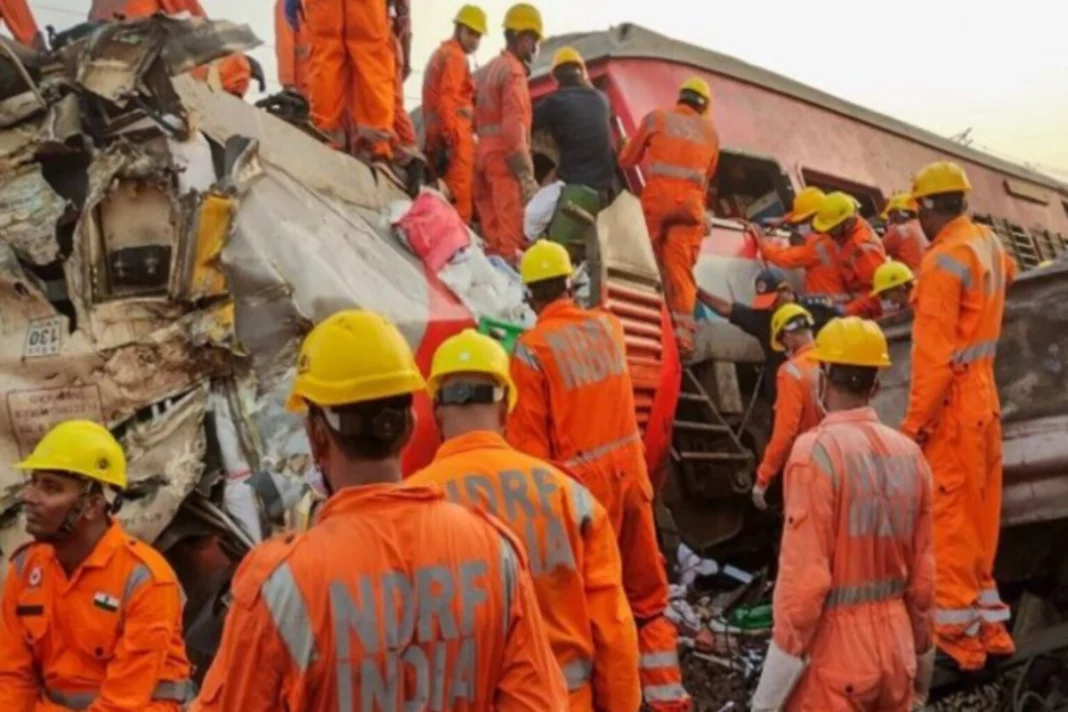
<point x="590" y="394"/>
<point x="574" y="560"/>
<point x="394" y="599"/>
<point x="578" y="117"/>
<point x="682" y="150"/>
<point x="905" y="242"/>
<point x="855" y="586"/>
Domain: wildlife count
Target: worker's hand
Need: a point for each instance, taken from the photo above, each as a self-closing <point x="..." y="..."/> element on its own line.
<point x="758" y="498"/>
<point x="294" y="11"/>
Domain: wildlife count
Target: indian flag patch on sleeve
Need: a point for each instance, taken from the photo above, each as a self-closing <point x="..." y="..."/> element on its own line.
<point x="103" y="600"/>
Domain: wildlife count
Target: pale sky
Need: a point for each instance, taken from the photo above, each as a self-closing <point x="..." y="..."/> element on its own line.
<point x="999" y="68"/>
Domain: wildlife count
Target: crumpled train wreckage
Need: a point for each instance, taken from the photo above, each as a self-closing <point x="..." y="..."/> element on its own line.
<point x="164" y="248"/>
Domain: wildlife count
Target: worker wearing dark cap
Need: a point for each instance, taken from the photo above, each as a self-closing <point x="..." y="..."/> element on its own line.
<point x="772" y="291"/>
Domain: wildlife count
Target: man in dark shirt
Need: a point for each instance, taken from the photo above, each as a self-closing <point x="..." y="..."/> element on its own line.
<point x="578" y="117"/>
<point x="772" y="291"/>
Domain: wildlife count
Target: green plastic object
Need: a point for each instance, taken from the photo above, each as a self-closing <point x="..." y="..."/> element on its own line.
<point x="504" y="332"/>
<point x="578" y="205"/>
<point x="751" y="617"/>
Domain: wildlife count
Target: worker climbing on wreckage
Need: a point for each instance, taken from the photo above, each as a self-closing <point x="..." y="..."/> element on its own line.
<point x="812" y="251"/>
<point x="504" y="169"/>
<point x="91" y="617"/>
<point x="904" y="240"/>
<point x="954" y="411"/>
<point x="574" y="558"/>
<point x="854" y="596"/>
<point x="394" y="597"/>
<point x="682" y="149"/>
<point x="797" y="406"/>
<point x="576" y="407"/>
<point x="449" y="108"/>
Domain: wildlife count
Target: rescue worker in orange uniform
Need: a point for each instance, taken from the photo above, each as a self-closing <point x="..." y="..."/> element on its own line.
<point x="504" y="169"/>
<point x="394" y="598"/>
<point x="682" y="150"/>
<point x="854" y="595"/>
<point x="576" y="407"/>
<point x="235" y="70"/>
<point x="892" y="289"/>
<point x="814" y="252"/>
<point x="292" y="52"/>
<point x="954" y="411"/>
<point x="352" y="73"/>
<point x="449" y="108"/>
<point x="797" y="408"/>
<point x="20" y="23"/>
<point x="405" y="140"/>
<point x="860" y="251"/>
<point x="569" y="540"/>
<point x="904" y="240"/>
<point x="91" y="617"/>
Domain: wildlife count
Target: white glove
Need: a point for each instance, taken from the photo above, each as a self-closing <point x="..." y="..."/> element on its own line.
<point x="924" y="673"/>
<point x="758" y="497"/>
<point x="778" y="679"/>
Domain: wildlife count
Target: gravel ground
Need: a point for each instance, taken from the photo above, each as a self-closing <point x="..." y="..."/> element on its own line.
<point x="712" y="687"/>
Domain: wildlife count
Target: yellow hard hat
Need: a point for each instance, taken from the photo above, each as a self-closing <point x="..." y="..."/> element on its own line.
<point x="889" y="275"/>
<point x="544" y="260"/>
<point x="852" y="341"/>
<point x="473" y="18"/>
<point x="900" y="201"/>
<point x="353" y="356"/>
<point x="806" y="203"/>
<point x="472" y="352"/>
<point x="784" y="315"/>
<point x="80" y="447"/>
<point x="698" y="86"/>
<point x="524" y="18"/>
<point x="834" y="209"/>
<point x="940" y="177"/>
<point x="567" y="55"/>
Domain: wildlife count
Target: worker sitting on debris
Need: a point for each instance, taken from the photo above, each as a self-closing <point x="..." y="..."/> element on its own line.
<point x="854" y="595"/>
<point x="352" y="72"/>
<point x="772" y="291"/>
<point x="860" y="251"/>
<point x="20" y="23"/>
<point x="892" y="288"/>
<point x="578" y="117"/>
<point x="814" y="252"/>
<point x="797" y="408"/>
<point x="234" y="71"/>
<point x="904" y="240"/>
<point x="449" y="108"/>
<point x="91" y="617"/>
<point x="954" y="411"/>
<point x="568" y="537"/>
<point x="682" y="149"/>
<point x="394" y="597"/>
<point x="576" y="407"/>
<point x="504" y="169"/>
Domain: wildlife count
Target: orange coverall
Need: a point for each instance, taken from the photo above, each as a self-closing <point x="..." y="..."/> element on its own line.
<point x="817" y="256"/>
<point x="856" y="570"/>
<point x="292" y="51"/>
<point x="235" y="72"/>
<point x="394" y="599"/>
<point x="682" y="149"/>
<point x="797" y="410"/>
<point x="858" y="257"/>
<point x="954" y="410"/>
<point x="504" y="170"/>
<point x="448" y="112"/>
<point x="17" y="16"/>
<point x="574" y="561"/>
<point x="576" y="407"/>
<point x="404" y="136"/>
<point x="109" y="637"/>
<point x="353" y="71"/>
<point x="906" y="243"/>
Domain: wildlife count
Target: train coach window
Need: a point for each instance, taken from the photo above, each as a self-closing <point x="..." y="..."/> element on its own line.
<point x="871" y="199"/>
<point x="750" y="187"/>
